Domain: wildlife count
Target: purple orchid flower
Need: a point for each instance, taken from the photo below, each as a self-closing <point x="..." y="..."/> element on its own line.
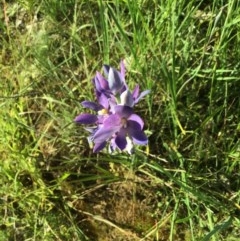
<point x="116" y="79"/>
<point x="115" y="85"/>
<point x="115" y="82"/>
<point x="114" y="121"/>
<point x="118" y="126"/>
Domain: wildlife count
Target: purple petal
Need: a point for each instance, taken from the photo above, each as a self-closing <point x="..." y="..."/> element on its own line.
<point x="138" y="136"/>
<point x="122" y="72"/>
<point x="113" y="121"/>
<point x="91" y="105"/>
<point x="99" y="146"/>
<point x="86" y="119"/>
<point x="125" y="87"/>
<point x="136" y="118"/>
<point x="145" y="92"/>
<point x="103" y="134"/>
<point x="112" y="103"/>
<point x="134" y="125"/>
<point x="97" y="93"/>
<point x="122" y="69"/>
<point x="123" y="111"/>
<point x="103" y="101"/>
<point x="135" y="92"/>
<point x="101" y="118"/>
<point x="120" y="139"/>
<point x="127" y="98"/>
<point x="110" y="126"/>
<point x="115" y="80"/>
<point x="97" y="84"/>
<point x="102" y="82"/>
<point x="106" y="69"/>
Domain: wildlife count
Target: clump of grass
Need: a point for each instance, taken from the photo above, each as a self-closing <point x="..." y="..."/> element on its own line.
<point x="185" y="186"/>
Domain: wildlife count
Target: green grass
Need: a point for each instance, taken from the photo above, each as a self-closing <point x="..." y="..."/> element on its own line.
<point x="184" y="185"/>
